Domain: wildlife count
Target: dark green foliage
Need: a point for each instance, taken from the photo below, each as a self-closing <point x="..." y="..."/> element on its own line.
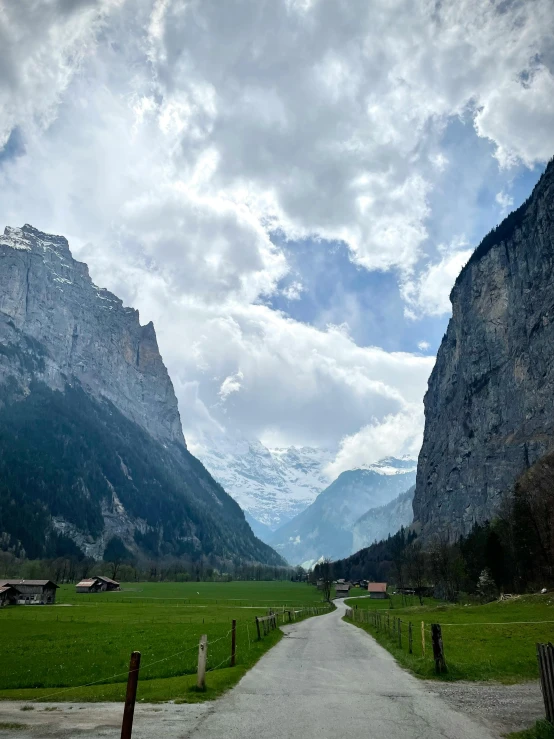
<point x="116" y="551"/>
<point x="541" y="730"/>
<point x="374" y="562"/>
<point x="65" y="454"/>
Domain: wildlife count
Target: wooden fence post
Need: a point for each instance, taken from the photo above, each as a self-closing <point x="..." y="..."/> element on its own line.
<point x="400" y="633"/>
<point x="131" y="696"/>
<point x="410" y="638"/>
<point x="258" y="628"/>
<point x="202" y="659"/>
<point x="233" y="643"/>
<point x="545" y="657"/>
<point x="438" y="649"/>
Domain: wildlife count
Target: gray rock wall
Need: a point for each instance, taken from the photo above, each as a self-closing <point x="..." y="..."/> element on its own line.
<point x="489" y="408"/>
<point x="81" y="332"/>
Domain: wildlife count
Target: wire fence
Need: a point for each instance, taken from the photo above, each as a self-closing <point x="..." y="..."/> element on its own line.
<point x="488" y="649"/>
<point x="185" y="661"/>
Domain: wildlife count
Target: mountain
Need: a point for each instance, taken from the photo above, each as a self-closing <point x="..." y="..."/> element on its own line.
<point x="272" y="485"/>
<point x="489" y="408"/>
<point x="378" y="523"/>
<point x="325" y="528"/>
<point x="92" y="454"/>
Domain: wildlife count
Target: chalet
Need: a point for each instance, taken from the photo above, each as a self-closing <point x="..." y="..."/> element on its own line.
<point x="32" y="592"/>
<point x="342" y="589"/>
<point x="8" y="596"/>
<point x="377" y="589"/>
<point x="98" y="584"/>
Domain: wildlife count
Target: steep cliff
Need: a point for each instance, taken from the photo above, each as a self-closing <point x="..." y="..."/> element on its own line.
<point x="489" y="408"/>
<point x="91" y="445"/>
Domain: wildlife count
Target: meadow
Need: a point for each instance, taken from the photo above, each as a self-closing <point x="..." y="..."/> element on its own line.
<point x="496" y="641"/>
<point x="79" y="649"/>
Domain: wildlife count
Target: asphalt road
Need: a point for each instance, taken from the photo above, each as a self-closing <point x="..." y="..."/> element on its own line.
<point x="324" y="680"/>
<point x="328" y="679"/>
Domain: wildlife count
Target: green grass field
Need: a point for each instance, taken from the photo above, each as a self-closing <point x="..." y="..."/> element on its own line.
<point x="86" y="639"/>
<point x="481" y="642"/>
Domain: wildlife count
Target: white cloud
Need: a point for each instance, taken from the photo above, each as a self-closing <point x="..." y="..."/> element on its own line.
<point x="231" y="384"/>
<point x="395" y="434"/>
<point x="429" y="292"/>
<point x="293" y="291"/>
<point x="168" y="139"/>
<point x="505" y="201"/>
<point x="424" y="346"/>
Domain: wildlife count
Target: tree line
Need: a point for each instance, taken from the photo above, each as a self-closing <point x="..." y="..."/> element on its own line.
<point x="513" y="553"/>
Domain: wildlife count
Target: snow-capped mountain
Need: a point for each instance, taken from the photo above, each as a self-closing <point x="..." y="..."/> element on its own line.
<point x="271" y="485"/>
<point x="325" y="528"/>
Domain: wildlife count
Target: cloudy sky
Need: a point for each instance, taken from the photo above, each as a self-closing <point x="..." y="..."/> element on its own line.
<point x="287" y="188"/>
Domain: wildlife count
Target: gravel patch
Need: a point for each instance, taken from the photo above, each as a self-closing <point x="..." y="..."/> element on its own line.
<point x="503" y="708"/>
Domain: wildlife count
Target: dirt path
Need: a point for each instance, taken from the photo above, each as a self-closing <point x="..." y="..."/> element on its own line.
<point x="325" y="678"/>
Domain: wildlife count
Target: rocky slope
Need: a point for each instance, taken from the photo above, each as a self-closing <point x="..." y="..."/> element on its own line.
<point x="377" y="523"/>
<point x="91" y="445"/>
<point x="325" y="528"/>
<point x="489" y="409"/>
<point x="272" y="485"/>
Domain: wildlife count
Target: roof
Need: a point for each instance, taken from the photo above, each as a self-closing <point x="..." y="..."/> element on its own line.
<point x="6" y="588"/>
<point x="377" y="587"/>
<point x="342" y="586"/>
<point x="41" y="583"/>
<point x="107" y="579"/>
<point x="88" y="583"/>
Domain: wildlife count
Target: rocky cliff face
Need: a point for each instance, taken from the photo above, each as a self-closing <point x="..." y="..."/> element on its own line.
<point x="489" y="408"/>
<point x="85" y="333"/>
<point x="91" y="446"/>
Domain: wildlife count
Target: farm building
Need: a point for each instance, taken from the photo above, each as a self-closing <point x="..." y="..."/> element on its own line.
<point x="98" y="584"/>
<point x="8" y="596"/>
<point x="342" y="589"/>
<point x="377" y="589"/>
<point x="32" y="592"/>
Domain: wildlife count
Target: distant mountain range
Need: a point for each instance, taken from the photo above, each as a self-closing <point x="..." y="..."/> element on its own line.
<point x="92" y="454"/>
<point x="271" y="485"/>
<point x="377" y="523"/>
<point x="350" y="504"/>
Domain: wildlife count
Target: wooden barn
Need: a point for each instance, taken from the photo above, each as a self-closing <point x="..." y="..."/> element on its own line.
<point x="377" y="589"/>
<point x="342" y="589"/>
<point x="97" y="584"/>
<point x="32" y="592"/>
<point x="8" y="596"/>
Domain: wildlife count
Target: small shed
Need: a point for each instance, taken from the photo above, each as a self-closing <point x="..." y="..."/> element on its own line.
<point x="98" y="584"/>
<point x="8" y="596"/>
<point x="377" y="589"/>
<point x="33" y="592"/>
<point x="108" y="583"/>
<point x="342" y="589"/>
<point x="88" y="585"/>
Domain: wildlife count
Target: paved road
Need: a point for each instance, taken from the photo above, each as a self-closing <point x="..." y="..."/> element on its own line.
<point x="324" y="680"/>
<point x="328" y="679"/>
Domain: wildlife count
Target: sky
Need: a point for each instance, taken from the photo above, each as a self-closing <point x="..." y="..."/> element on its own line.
<point x="287" y="188"/>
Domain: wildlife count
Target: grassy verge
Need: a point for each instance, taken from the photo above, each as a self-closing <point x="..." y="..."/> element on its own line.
<point x="496" y="641"/>
<point x="541" y="730"/>
<point x="81" y="652"/>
